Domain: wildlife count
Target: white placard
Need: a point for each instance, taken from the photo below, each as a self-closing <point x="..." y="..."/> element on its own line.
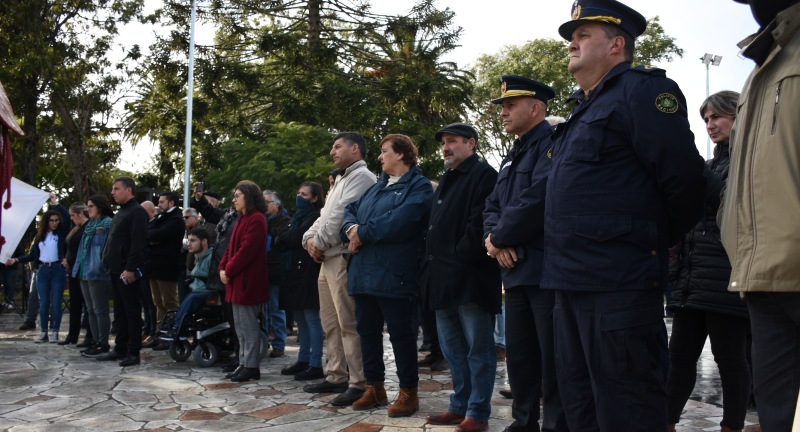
<point x="26" y="202"/>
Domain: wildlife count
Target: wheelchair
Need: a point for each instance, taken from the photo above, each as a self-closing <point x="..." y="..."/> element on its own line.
<point x="204" y="335"/>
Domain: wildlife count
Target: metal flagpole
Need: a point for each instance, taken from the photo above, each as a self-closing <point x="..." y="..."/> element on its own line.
<point x="188" y="153"/>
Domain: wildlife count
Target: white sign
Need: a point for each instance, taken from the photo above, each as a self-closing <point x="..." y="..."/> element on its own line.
<point x="26" y="202"/>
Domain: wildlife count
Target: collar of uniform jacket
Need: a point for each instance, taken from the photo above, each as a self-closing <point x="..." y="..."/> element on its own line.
<point x="758" y="46"/>
<point x="579" y="95"/>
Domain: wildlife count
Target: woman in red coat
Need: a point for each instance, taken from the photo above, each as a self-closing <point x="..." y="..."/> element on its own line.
<point x="243" y="270"/>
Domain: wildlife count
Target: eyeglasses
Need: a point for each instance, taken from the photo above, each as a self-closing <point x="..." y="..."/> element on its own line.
<point x="236" y="196"/>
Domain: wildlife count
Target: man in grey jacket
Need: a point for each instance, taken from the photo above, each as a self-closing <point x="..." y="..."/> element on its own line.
<point x="345" y="371"/>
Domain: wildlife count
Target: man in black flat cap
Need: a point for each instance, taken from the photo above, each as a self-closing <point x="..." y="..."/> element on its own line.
<point x="758" y="217"/>
<point x="460" y="282"/>
<point x="514" y="233"/>
<point x="626" y="182"/>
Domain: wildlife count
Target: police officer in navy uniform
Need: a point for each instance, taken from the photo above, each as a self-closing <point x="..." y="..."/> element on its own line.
<point x="626" y="182"/>
<point x="513" y="235"/>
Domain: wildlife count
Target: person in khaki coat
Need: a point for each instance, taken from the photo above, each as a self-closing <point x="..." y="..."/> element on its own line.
<point x="759" y="215"/>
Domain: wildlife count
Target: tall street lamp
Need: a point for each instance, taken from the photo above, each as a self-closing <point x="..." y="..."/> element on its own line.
<point x="708" y="60"/>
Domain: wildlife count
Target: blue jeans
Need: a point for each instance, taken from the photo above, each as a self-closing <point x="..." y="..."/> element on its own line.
<point x="309" y="331"/>
<point x="275" y="318"/>
<point x="467" y="341"/>
<point x="50" y="283"/>
<point x="191" y="304"/>
<point x="500" y="328"/>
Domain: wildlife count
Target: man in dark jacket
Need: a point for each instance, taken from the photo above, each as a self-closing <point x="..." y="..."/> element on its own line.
<point x="514" y="230"/>
<point x="626" y="182"/>
<point x="124" y="256"/>
<point x="460" y="282"/>
<point x="166" y="239"/>
<point x="275" y="316"/>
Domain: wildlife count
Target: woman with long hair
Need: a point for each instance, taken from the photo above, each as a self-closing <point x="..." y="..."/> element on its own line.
<point x="49" y="252"/>
<point x="243" y="270"/>
<point x="299" y="287"/>
<point x="79" y="215"/>
<point x="94" y="277"/>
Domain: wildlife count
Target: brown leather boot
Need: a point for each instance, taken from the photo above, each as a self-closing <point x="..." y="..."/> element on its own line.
<point x="727" y="429"/>
<point x="406" y="403"/>
<point x="374" y="396"/>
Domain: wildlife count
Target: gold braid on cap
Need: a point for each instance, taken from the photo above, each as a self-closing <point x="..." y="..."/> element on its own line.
<point x="605" y="19"/>
<point x="517" y="93"/>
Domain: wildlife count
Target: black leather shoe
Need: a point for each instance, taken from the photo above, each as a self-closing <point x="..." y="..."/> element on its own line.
<point x="348" y="397"/>
<point x="295" y="368"/>
<point x="506" y="393"/>
<point x="235" y="372"/>
<point x="231" y="367"/>
<point x="309" y="374"/>
<point x="87" y="343"/>
<point x="130" y="360"/>
<point x="162" y="346"/>
<point x="247" y="374"/>
<point x="69" y="340"/>
<point x="275" y="353"/>
<point x="111" y="355"/>
<point x="28" y="325"/>
<point x="326" y="387"/>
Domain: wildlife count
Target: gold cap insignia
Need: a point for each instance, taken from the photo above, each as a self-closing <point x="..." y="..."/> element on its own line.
<point x="576" y="11"/>
<point x="503" y="87"/>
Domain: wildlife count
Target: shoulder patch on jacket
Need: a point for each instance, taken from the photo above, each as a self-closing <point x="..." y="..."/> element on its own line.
<point x="650" y="70"/>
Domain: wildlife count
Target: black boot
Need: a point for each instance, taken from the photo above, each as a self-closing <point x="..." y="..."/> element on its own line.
<point x="87" y="342"/>
<point x="247" y="374"/>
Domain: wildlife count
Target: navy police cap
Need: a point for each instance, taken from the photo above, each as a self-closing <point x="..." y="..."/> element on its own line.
<point x="517" y="86"/>
<point x="606" y="11"/>
<point x="461" y="129"/>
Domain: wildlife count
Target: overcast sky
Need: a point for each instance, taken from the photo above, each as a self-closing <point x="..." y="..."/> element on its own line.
<point x="698" y="26"/>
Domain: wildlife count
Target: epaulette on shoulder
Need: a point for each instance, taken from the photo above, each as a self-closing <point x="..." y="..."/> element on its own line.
<point x="650" y="70"/>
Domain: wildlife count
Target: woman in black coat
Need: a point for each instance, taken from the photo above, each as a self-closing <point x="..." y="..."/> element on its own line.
<point x="299" y="291"/>
<point x="700" y="301"/>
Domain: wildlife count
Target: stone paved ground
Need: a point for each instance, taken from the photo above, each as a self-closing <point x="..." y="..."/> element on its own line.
<point x="46" y="387"/>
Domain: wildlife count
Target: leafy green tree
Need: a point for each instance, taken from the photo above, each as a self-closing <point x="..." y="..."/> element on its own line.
<point x="544" y="60"/>
<point x="291" y="154"/>
<point x="63" y="84"/>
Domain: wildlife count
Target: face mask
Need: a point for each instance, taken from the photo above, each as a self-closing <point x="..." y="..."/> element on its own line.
<point x="301" y="202"/>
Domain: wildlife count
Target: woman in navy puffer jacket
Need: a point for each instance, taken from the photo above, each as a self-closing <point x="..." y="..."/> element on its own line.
<point x="700" y="301"/>
<point x="385" y="230"/>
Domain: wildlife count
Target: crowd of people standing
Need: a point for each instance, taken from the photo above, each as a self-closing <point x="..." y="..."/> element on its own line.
<point x="584" y="226"/>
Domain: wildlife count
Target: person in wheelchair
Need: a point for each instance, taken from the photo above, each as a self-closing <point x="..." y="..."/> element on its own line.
<point x="198" y="245"/>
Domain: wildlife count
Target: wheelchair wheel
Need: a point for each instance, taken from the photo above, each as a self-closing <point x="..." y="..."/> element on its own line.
<point x="263" y="346"/>
<point x="205" y="357"/>
<point x="180" y="352"/>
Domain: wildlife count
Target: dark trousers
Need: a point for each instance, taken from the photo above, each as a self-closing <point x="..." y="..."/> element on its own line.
<point x="728" y="336"/>
<point x="611" y="359"/>
<point x="128" y="315"/>
<point x="148" y="308"/>
<point x="227" y="314"/>
<point x="530" y="359"/>
<point x="76" y="304"/>
<point x="371" y="312"/>
<point x="430" y="334"/>
<point x="775" y="323"/>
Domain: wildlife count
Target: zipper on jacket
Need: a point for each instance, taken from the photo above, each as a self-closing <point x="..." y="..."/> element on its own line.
<point x="777" y="105"/>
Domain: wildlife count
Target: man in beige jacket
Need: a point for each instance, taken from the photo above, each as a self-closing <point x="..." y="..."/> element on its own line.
<point x="336" y="307"/>
<point x="760" y="214"/>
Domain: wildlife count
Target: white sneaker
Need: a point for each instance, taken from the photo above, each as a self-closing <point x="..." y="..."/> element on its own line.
<point x="42" y="338"/>
<point x="54" y="337"/>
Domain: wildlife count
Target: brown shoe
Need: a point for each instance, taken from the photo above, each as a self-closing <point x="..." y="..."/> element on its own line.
<point x="501" y="353"/>
<point x="445" y="418"/>
<point x="407" y="403"/>
<point x="374" y="396"/>
<point x="471" y="425"/>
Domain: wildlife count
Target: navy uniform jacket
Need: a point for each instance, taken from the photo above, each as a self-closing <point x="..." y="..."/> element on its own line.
<point x="626" y="183"/>
<point x="514" y="213"/>
<point x="457" y="270"/>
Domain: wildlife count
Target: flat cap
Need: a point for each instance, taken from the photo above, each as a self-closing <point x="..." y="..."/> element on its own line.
<point x="462" y="129"/>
